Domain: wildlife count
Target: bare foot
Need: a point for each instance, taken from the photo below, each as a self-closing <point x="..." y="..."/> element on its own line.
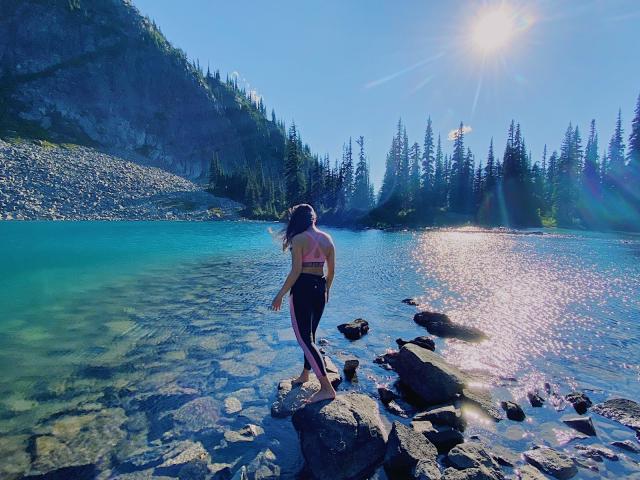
<point x="300" y="380"/>
<point x="321" y="395"/>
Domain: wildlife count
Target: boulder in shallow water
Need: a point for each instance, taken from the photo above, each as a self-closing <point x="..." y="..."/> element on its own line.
<point x="622" y="410"/>
<point x="551" y="462"/>
<point x="386" y="395"/>
<point x="480" y="400"/>
<point x="341" y="439"/>
<point x="581" y="424"/>
<point x="443" y="415"/>
<point x="405" y="449"/>
<point x="513" y="410"/>
<point x="580" y="401"/>
<point x="350" y="367"/>
<point x="197" y="415"/>
<point x="428" y="374"/>
<point x="355" y="329"/>
<point x="427" y="470"/>
<point x="535" y="399"/>
<point x="468" y="474"/>
<point x="441" y="325"/>
<point x="422" y="341"/>
<point x="293" y="397"/>
<point x="387" y="360"/>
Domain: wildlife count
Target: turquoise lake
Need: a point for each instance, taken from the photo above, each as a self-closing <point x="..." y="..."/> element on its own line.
<point x="98" y="317"/>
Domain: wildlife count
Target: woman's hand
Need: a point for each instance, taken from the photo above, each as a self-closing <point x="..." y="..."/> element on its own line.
<point x="277" y="302"/>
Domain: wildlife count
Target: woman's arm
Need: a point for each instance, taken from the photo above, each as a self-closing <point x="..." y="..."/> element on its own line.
<point x="331" y="267"/>
<point x="296" y="269"/>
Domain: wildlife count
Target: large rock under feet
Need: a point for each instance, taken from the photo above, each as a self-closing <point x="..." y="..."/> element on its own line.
<point x="341" y="439"/>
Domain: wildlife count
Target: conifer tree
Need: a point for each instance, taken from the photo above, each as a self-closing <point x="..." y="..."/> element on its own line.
<point x="294" y="177"/>
<point x="591" y="171"/>
<point x="414" y="190"/>
<point x="427" y="179"/>
<point x="615" y="155"/>
<point x="633" y="177"/>
<point x="439" y="179"/>
<point x="457" y="173"/>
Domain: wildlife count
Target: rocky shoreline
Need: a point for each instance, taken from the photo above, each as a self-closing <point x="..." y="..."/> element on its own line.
<point x="41" y="180"/>
<point x="433" y="400"/>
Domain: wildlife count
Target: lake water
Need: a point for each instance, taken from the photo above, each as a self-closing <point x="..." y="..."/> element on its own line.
<point x="100" y="321"/>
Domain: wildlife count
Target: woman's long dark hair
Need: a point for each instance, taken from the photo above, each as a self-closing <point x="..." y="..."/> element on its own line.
<point x="301" y="217"/>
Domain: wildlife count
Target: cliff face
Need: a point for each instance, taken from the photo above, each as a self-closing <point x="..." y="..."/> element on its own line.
<point x="96" y="72"/>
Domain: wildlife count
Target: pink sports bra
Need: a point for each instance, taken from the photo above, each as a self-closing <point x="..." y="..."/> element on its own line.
<point x="315" y="257"/>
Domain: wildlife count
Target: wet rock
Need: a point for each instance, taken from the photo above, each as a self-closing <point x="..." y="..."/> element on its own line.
<point x="291" y="398"/>
<point x="513" y="410"/>
<point x="597" y="452"/>
<point x="15" y="458"/>
<point x="241" y="474"/>
<point x="405" y="449"/>
<point x="355" y="329"/>
<point x="551" y="462"/>
<point x="350" y="367"/>
<point x="535" y="399"/>
<point x="443" y="415"/>
<point x="246" y="434"/>
<point x="482" y="400"/>
<point x="468" y="474"/>
<point x="387" y="360"/>
<point x="197" y="415"/>
<point x="473" y="455"/>
<point x="428" y="375"/>
<point x="581" y="424"/>
<point x="386" y="395"/>
<point x="622" y="410"/>
<point x="232" y="405"/>
<point x="400" y="408"/>
<point x="179" y="454"/>
<point x="440" y="325"/>
<point x="427" y="470"/>
<point x="263" y="466"/>
<point x="627" y="445"/>
<point x="77" y="472"/>
<point x="411" y="301"/>
<point x="442" y="436"/>
<point x="341" y="439"/>
<point x="527" y="472"/>
<point x="329" y="366"/>
<point x="580" y="401"/>
<point x="424" y="342"/>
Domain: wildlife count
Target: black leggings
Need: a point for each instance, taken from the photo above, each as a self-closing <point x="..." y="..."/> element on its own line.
<point x="306" y="304"/>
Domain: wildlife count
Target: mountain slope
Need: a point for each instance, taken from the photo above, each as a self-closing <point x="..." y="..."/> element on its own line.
<point x="100" y="74"/>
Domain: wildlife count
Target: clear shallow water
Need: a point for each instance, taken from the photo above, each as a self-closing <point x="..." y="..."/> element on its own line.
<point x="97" y="317"/>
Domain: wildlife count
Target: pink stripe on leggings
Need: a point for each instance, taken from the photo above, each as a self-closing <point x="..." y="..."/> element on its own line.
<point x="305" y="349"/>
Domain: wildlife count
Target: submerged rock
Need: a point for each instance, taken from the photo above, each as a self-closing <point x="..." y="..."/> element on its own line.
<point x="627" y="445"/>
<point x="580" y="401"/>
<point x="355" y="329"/>
<point x="424" y="342"/>
<point x="441" y="325"/>
<point x="428" y="375"/>
<point x="597" y="452"/>
<point x="473" y="455"/>
<point x="400" y="408"/>
<point x="263" y="466"/>
<point x="197" y="415"/>
<point x="551" y="462"/>
<point x="386" y="395"/>
<point x="581" y="424"/>
<point x="387" y="360"/>
<point x="405" y="449"/>
<point x="468" y="474"/>
<point x="535" y="399"/>
<point x="291" y="398"/>
<point x="246" y="434"/>
<point x="341" y="439"/>
<point x="622" y="410"/>
<point x="514" y="411"/>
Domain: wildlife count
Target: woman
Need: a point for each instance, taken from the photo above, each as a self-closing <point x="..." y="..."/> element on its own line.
<point x="309" y="290"/>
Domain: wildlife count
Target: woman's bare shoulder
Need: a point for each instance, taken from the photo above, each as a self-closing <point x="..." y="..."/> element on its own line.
<point x="326" y="236"/>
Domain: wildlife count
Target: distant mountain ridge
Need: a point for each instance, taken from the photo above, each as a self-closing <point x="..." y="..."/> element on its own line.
<point x="98" y="73"/>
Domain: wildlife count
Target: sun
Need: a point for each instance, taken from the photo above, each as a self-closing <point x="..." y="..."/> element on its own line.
<point x="493" y="30"/>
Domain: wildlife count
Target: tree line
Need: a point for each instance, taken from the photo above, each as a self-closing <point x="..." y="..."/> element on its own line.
<point x="581" y="185"/>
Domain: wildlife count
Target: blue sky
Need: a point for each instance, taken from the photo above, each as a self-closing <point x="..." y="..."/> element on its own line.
<point x="347" y="68"/>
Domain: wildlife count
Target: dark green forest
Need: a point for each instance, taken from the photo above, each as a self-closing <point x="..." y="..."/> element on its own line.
<point x="582" y="185"/>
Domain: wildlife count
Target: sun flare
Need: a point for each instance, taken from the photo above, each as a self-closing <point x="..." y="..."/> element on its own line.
<point x="493" y="30"/>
